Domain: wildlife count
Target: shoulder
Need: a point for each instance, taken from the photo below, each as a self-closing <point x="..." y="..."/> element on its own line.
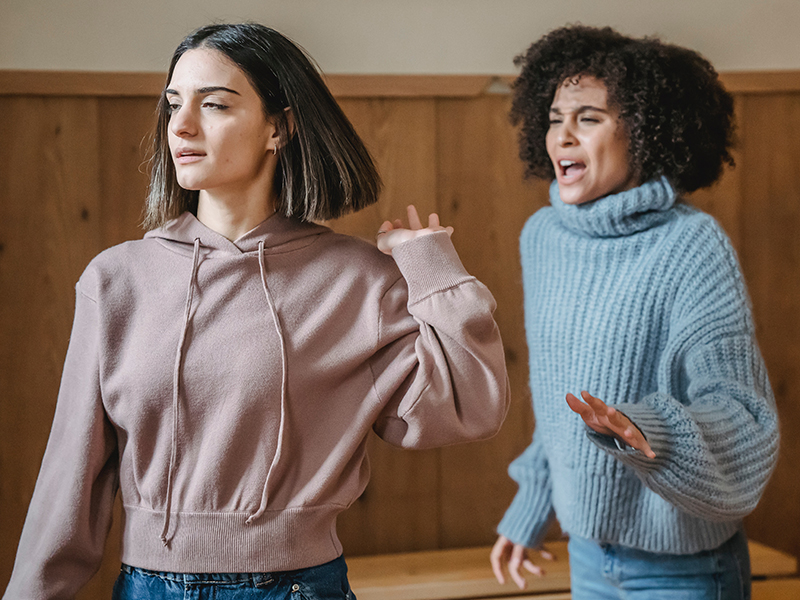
<point x="707" y="268"/>
<point x="344" y="258"/>
<point x="112" y="264"/>
<point x="703" y="241"/>
<point x="349" y="248"/>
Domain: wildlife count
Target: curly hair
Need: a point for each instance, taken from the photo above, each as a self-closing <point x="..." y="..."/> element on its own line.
<point x="678" y="115"/>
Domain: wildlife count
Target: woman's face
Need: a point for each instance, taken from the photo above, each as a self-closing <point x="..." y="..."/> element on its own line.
<point x="219" y="137"/>
<point x="587" y="143"/>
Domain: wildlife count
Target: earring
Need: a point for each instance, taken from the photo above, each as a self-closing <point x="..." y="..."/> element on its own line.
<point x="275" y="149"/>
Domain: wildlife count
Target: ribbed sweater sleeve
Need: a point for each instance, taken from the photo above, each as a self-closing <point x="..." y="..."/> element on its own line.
<point x="527" y="519"/>
<point x="439" y="366"/>
<point x="70" y="514"/>
<point x="716" y="435"/>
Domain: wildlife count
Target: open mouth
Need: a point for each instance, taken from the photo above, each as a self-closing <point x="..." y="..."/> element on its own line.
<point x="571" y="168"/>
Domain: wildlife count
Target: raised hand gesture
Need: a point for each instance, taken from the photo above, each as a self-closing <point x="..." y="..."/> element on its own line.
<point x="607" y="420"/>
<point x="393" y="233"/>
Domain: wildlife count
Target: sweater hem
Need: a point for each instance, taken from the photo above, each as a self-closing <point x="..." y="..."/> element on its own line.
<point x="280" y="540"/>
<point x="606" y="509"/>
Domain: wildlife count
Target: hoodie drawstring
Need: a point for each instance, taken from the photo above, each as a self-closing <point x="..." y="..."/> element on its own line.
<point x="284" y="382"/>
<point x="176" y="390"/>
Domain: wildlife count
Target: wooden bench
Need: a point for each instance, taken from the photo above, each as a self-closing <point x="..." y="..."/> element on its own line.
<point x="465" y="574"/>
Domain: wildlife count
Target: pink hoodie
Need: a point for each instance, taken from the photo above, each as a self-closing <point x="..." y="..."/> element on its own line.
<point x="227" y="389"/>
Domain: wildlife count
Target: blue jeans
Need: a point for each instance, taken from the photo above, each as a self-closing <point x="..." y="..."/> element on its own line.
<point x="324" y="582"/>
<point x="606" y="571"/>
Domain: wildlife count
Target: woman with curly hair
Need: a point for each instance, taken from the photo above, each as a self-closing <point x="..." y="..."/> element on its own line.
<point x="224" y="372"/>
<point x="635" y="301"/>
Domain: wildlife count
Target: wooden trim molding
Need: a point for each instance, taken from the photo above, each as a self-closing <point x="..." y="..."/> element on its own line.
<point x="761" y="82"/>
<point x="87" y="83"/>
<point x="97" y="83"/>
<point x="79" y="83"/>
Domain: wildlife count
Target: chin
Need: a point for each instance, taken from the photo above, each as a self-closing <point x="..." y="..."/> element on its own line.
<point x="188" y="184"/>
<point x="575" y="198"/>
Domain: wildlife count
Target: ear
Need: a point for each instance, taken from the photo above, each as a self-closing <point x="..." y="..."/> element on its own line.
<point x="275" y="142"/>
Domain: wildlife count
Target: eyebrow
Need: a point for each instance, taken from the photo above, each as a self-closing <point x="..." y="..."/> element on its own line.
<point x="205" y="90"/>
<point x="580" y="109"/>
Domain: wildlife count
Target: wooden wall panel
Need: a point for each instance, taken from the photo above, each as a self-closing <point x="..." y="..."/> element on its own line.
<point x="125" y="125"/>
<point x="48" y="233"/>
<point x="483" y="195"/>
<point x="70" y="185"/>
<point x="770" y="253"/>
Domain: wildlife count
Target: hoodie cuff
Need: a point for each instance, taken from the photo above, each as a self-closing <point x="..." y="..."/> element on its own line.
<point x="429" y="264"/>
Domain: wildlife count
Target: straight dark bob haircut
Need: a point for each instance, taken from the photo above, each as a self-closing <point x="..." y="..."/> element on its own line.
<point x="324" y="171"/>
<point x="678" y="115"/>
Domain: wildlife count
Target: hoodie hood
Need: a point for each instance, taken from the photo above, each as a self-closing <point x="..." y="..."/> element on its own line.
<point x="278" y="234"/>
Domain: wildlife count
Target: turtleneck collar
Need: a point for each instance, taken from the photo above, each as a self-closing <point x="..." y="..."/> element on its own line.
<point x="620" y="214"/>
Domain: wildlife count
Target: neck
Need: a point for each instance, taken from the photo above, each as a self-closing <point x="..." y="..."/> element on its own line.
<point x="233" y="215"/>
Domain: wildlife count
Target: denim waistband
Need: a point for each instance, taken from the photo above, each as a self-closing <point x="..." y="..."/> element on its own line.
<point x="257" y="579"/>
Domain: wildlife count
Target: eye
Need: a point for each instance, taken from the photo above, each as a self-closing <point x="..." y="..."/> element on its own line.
<point x="587" y="119"/>
<point x="214" y="105"/>
<point x="173" y="107"/>
<point x="555" y="120"/>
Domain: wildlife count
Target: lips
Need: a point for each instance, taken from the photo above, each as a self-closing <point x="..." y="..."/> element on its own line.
<point x="187" y="155"/>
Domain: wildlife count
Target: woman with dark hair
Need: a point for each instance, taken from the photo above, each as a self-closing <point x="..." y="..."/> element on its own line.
<point x="636" y="300"/>
<point x="224" y="371"/>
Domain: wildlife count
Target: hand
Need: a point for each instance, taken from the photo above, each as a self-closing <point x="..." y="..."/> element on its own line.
<point x="609" y="421"/>
<point x="394" y="233"/>
<point x="505" y="552"/>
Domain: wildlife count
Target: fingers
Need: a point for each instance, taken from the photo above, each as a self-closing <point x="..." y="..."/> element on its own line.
<point x="413" y="217"/>
<point x="546" y="555"/>
<point x="385" y="227"/>
<point x="518" y="557"/>
<point x="597" y="405"/>
<point x="634" y="438"/>
<point x="584" y="410"/>
<point x="415" y="223"/>
<point x="499" y="556"/>
<point x="532" y="568"/>
<point x="608" y="419"/>
<point x="618" y="424"/>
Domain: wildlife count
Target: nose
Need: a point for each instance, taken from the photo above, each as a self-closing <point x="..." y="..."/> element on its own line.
<point x="566" y="135"/>
<point x="183" y="123"/>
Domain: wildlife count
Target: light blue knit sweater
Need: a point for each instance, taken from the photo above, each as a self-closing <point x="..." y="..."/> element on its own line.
<point x="640" y="301"/>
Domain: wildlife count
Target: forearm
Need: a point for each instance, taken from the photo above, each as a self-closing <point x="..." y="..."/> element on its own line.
<point x="714" y="455"/>
<point x="531" y="511"/>
<point x="455" y="386"/>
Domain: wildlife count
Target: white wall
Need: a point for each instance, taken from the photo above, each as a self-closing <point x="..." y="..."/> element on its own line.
<point x="389" y="36"/>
